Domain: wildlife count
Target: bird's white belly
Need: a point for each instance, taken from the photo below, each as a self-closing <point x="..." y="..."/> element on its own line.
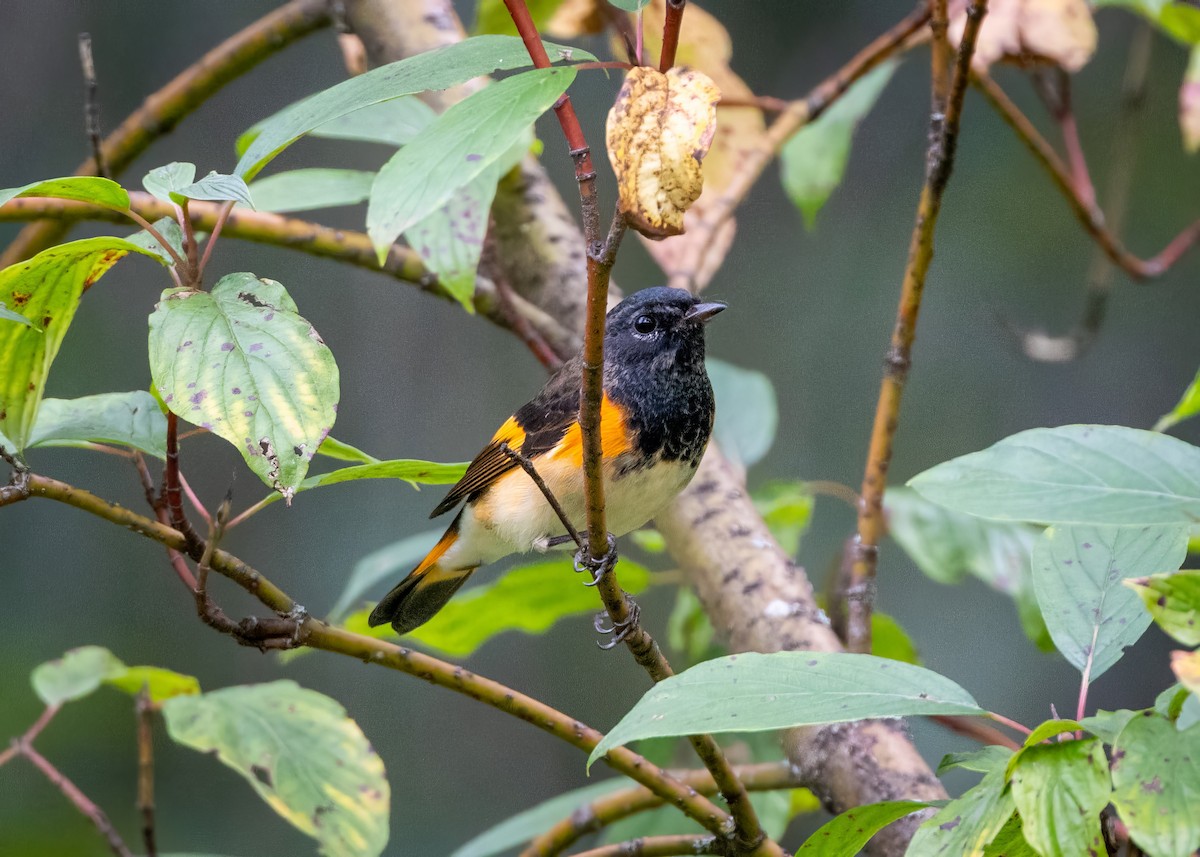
<point x="514" y="517"/>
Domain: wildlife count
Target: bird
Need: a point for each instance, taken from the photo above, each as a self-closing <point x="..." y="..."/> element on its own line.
<point x="656" y="417"/>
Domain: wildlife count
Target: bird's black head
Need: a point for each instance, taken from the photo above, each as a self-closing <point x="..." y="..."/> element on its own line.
<point x="658" y="328"/>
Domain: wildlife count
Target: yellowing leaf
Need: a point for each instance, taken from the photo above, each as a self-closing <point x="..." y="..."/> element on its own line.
<point x="576" y="18"/>
<point x="1186" y="666"/>
<point x="658" y="133"/>
<point x="1189" y="104"/>
<point x="1060" y="32"/>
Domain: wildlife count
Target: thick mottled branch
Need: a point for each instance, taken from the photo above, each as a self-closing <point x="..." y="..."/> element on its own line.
<point x="163" y="110"/>
<point x="760" y="600"/>
<point x="310" y="632"/>
<point x="1090" y="216"/>
<point x="766" y="776"/>
<point x="871" y="523"/>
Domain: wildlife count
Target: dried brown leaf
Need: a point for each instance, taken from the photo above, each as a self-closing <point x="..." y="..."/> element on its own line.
<point x="1060" y="32"/>
<point x="658" y="132"/>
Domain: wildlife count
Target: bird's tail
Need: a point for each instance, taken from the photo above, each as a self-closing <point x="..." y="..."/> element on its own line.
<point x="414" y="600"/>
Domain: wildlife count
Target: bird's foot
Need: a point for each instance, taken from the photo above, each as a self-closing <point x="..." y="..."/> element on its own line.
<point x="619" y="630"/>
<point x="597" y="567"/>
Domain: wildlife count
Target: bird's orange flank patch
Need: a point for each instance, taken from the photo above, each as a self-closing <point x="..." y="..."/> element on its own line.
<point x="439" y="549"/>
<point x="614" y="438"/>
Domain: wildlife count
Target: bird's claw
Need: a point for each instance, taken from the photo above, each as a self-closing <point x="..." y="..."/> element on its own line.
<point x="619" y="630"/>
<point x="597" y="568"/>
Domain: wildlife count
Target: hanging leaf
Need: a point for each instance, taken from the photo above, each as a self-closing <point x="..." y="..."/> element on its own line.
<point x="46" y="290"/>
<point x="964" y="827"/>
<point x="946" y="545"/>
<point x="160" y="683"/>
<point x="849" y="832"/>
<point x="1076" y="474"/>
<point x="437" y="69"/>
<point x="126" y="419"/>
<point x="754" y="692"/>
<point x="747" y="411"/>
<point x="331" y="447"/>
<point x="79" y="672"/>
<point x="243" y="363"/>
<point x="167" y="181"/>
<point x="460" y="145"/>
<point x="97" y="191"/>
<point x="1060" y="790"/>
<point x="658" y="132"/>
<point x="1173" y="601"/>
<point x="1077" y="575"/>
<point x="301" y="753"/>
<point x="535" y="821"/>
<point x="813" y="160"/>
<point x="411" y="471"/>
<point x="305" y="190"/>
<point x="1060" y="32"/>
<point x="216" y="187"/>
<point x="1156" y="785"/>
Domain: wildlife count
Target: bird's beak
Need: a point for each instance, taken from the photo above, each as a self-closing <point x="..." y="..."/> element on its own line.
<point x="703" y="312"/>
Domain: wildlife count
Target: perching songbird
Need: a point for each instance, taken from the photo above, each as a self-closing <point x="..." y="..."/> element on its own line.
<point x="656" y="418"/>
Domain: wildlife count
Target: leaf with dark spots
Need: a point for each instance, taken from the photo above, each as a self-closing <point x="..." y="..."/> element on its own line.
<point x="262" y="775"/>
<point x="264" y="387"/>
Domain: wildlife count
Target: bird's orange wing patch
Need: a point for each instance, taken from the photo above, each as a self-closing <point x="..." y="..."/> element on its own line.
<point x="510" y="433"/>
<point x="487" y="467"/>
<point x="614" y="435"/>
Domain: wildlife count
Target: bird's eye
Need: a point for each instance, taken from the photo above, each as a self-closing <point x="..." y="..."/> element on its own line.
<point x="644" y="324"/>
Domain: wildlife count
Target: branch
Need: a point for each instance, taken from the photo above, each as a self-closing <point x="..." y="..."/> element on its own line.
<point x="672" y="18"/>
<point x="311" y="632"/>
<point x="191" y="88"/>
<point x="658" y="846"/>
<point x="871" y="523"/>
<point x="766" y="776"/>
<point x="1088" y="214"/>
<point x="144" y="709"/>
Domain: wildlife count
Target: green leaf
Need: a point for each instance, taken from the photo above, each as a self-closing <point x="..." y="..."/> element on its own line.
<point x="982" y="761"/>
<point x="1010" y="842"/>
<point x="217" y="187"/>
<point x="848" y="833"/>
<point x="1041" y="733"/>
<point x="243" y="363"/>
<point x="530" y="599"/>
<point x="383" y="564"/>
<point x="450" y="240"/>
<point x="1169" y="703"/>
<point x="754" y="692"/>
<point x="649" y="539"/>
<point x="46" y="290"/>
<point x="332" y="448"/>
<point x="1156" y="785"/>
<point x="1173" y="601"/>
<point x="126" y="419"/>
<point x="162" y="684"/>
<point x="491" y="16"/>
<point x="1077" y="574"/>
<point x="1078" y="474"/>
<point x="391" y="123"/>
<point x="8" y="315"/>
<point x="747" y="412"/>
<point x="1107" y="725"/>
<point x="437" y="69"/>
<point x="460" y="145"/>
<point x="301" y="753"/>
<point x="411" y="471"/>
<point x="167" y="181"/>
<point x="75" y="675"/>
<point x="689" y="630"/>
<point x="1189" y="713"/>
<point x="889" y="640"/>
<point x="97" y="191"/>
<point x="786" y="509"/>
<point x="964" y="827"/>
<point x="1187" y="406"/>
<point x="1174" y="17"/>
<point x="535" y="821"/>
<point x="304" y="190"/>
<point x="1059" y="790"/>
<point x="169" y="229"/>
<point x="814" y="159"/>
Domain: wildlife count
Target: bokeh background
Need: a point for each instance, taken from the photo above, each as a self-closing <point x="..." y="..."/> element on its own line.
<point x="420" y="379"/>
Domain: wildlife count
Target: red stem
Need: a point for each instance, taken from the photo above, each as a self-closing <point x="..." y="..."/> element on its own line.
<point x="82" y="802"/>
<point x="671" y="23"/>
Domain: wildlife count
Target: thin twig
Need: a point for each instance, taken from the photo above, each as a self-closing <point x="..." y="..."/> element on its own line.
<point x="1009" y="722"/>
<point x="311" y="632"/>
<point x="194" y="500"/>
<point x="672" y="18"/>
<point x="91" y="102"/>
<point x="1090" y="216"/>
<point x="82" y="802"/>
<point x="975" y="729"/>
<point x="153" y="232"/>
<point x="871" y="522"/>
<point x="163" y="110"/>
<point x="528" y="467"/>
<point x="222" y="216"/>
<point x="172" y="490"/>
<point x="144" y="709"/>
